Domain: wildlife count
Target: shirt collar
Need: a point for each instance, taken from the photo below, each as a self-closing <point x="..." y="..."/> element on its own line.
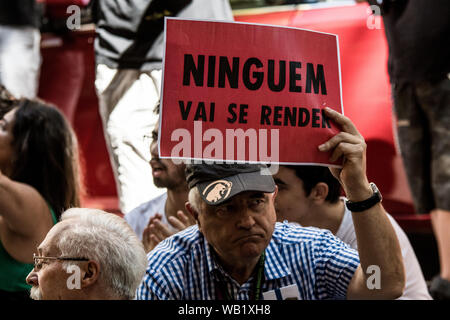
<point x="210" y="262"/>
<point x="274" y="267"/>
<point x="214" y="268"/>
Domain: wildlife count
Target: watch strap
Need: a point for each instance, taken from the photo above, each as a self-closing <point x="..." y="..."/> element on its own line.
<point x="365" y="204"/>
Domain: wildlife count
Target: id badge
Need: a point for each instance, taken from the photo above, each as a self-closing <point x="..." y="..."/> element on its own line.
<point x="284" y="293"/>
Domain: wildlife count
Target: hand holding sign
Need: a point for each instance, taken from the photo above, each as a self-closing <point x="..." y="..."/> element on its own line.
<point x="350" y="145"/>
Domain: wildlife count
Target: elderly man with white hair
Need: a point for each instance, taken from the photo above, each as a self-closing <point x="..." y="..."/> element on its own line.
<point x="89" y="255"/>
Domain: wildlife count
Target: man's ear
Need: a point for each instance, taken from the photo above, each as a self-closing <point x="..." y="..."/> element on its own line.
<point x="319" y="192"/>
<point x="275" y="193"/>
<point x="191" y="211"/>
<point x="91" y="273"/>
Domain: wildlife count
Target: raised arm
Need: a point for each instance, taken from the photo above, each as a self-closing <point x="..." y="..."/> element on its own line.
<point x="24" y="213"/>
<point x="377" y="242"/>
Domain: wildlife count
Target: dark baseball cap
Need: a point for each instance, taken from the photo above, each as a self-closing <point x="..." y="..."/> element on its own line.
<point x="217" y="183"/>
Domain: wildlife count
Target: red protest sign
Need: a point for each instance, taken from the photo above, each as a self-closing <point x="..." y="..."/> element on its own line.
<point x="245" y="92"/>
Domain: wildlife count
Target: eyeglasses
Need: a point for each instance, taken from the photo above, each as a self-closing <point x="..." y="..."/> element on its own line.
<point x="39" y="259"/>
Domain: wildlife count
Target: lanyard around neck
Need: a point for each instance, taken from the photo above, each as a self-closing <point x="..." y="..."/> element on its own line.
<point x="224" y="294"/>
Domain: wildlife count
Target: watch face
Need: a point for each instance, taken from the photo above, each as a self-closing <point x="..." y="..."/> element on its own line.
<point x="376" y="192"/>
<point x="365" y="204"/>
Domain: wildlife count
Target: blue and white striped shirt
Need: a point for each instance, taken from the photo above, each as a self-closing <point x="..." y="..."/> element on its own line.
<point x="182" y="267"/>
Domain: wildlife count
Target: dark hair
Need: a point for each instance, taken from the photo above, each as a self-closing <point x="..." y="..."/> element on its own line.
<point x="7" y="101"/>
<point x="312" y="175"/>
<point x="46" y="154"/>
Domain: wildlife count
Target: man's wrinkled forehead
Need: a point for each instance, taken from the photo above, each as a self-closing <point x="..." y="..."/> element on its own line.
<point x="49" y="243"/>
<point x="52" y="237"/>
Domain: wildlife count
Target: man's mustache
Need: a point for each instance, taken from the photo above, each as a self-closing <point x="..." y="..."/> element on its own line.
<point x="35" y="293"/>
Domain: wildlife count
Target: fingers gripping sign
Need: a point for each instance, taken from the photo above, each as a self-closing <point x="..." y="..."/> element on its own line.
<point x="350" y="145"/>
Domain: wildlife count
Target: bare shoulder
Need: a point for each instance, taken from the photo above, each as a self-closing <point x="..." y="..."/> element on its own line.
<point x="25" y="218"/>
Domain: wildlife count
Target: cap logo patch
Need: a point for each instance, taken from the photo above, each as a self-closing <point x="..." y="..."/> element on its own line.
<point x="217" y="190"/>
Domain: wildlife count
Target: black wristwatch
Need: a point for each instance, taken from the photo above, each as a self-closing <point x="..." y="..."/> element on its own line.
<point x="365" y="204"/>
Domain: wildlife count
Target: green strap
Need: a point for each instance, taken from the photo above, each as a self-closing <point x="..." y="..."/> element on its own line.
<point x="55" y="220"/>
<point x="259" y="276"/>
<point x="225" y="294"/>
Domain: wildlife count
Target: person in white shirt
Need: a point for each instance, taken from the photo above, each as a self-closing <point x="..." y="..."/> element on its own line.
<point x="155" y="220"/>
<point x="310" y="196"/>
<point x="129" y="47"/>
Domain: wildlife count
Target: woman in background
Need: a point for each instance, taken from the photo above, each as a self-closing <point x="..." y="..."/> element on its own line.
<point x="39" y="179"/>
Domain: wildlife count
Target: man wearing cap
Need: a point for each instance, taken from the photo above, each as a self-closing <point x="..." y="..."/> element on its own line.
<point x="237" y="251"/>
